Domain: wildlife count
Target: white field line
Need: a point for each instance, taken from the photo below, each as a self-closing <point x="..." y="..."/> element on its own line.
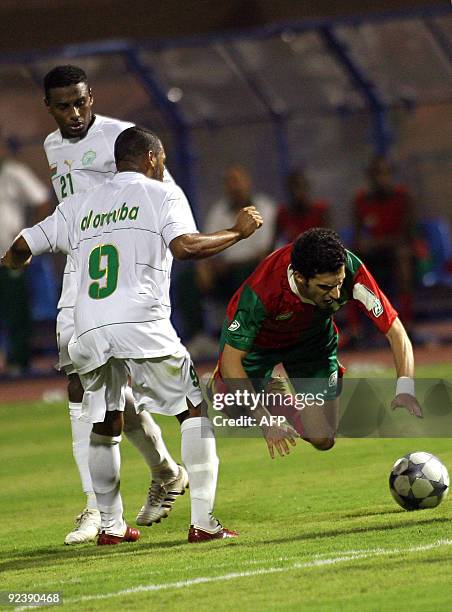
<point x="181" y="584"/>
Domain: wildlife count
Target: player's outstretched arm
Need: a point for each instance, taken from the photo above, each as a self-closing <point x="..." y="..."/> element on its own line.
<point x="277" y="437"/>
<point x="402" y="351"/>
<point x="18" y="255"/>
<point x="200" y="246"/>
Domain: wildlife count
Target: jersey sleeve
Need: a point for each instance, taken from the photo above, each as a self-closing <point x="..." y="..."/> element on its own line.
<point x="245" y="321"/>
<point x="371" y="299"/>
<point x="50" y="235"/>
<point x="177" y="217"/>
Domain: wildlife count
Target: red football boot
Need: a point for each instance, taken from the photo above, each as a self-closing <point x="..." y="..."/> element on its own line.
<point x="131" y="535"/>
<point x="195" y="535"/>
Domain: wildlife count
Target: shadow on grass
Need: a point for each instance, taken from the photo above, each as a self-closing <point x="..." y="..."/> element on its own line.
<point x="330" y="533"/>
<point x="40" y="557"/>
<point x="48" y="556"/>
<point x="364" y="513"/>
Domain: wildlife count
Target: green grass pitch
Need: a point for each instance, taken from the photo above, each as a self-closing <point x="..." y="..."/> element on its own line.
<point x="319" y="531"/>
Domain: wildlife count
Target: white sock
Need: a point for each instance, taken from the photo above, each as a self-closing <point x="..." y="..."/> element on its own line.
<point x="199" y="456"/>
<point x="91" y="501"/>
<point x="80" y="448"/>
<point x="144" y="433"/>
<point x="104" y="464"/>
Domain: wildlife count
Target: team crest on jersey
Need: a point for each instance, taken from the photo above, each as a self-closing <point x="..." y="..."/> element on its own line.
<point x="283" y="316"/>
<point x="89" y="157"/>
<point x="53" y="168"/>
<point x="234" y="326"/>
<point x="378" y="308"/>
<point x="367" y="297"/>
<point x="332" y="381"/>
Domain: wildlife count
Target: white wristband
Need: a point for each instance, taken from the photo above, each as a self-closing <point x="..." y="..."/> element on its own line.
<point x="405" y="384"/>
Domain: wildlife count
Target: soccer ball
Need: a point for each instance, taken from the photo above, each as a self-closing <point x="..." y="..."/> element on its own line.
<point x="418" y="480"/>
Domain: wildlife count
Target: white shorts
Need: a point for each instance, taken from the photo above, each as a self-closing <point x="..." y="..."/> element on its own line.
<point x="160" y="385"/>
<point x="64" y="331"/>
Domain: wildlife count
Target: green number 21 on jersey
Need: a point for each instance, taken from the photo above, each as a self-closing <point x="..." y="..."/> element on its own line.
<point x="103" y="265"/>
<point x="67" y="188"/>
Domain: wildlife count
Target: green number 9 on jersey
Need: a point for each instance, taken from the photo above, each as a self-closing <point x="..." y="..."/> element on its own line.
<point x="109" y="272"/>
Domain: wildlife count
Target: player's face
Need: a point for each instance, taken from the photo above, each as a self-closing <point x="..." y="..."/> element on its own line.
<point x="156" y="166"/>
<point x="72" y="109"/>
<point x="324" y="289"/>
<point x="160" y="167"/>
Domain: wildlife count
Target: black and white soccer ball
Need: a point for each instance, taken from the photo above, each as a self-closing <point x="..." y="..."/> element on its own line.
<point x="418" y="480"/>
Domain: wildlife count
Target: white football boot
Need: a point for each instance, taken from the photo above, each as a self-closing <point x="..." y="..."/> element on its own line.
<point x="161" y="498"/>
<point x="87" y="527"/>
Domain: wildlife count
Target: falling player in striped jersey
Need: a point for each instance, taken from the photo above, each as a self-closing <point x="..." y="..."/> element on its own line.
<point x="81" y="155"/>
<point x="283" y="314"/>
<point x="122" y="237"/>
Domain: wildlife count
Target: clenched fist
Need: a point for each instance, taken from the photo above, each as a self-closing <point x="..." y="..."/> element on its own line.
<point x="248" y="221"/>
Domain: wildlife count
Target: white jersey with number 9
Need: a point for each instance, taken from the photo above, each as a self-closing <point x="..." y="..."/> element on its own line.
<point x="117" y="236"/>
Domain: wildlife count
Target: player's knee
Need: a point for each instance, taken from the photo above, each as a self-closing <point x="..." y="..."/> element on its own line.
<point x="112" y="425"/>
<point x="183" y="416"/>
<point x="103" y="440"/>
<point x="196" y="411"/>
<point x="322" y="444"/>
<point x="74" y="389"/>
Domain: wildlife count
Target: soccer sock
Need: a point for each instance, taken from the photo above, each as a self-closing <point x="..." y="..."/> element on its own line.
<point x="200" y="458"/>
<point x="91" y="501"/>
<point x="144" y="433"/>
<point x="80" y="448"/>
<point x="104" y="465"/>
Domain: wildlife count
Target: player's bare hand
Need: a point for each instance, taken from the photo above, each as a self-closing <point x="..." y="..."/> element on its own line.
<point x="9" y="260"/>
<point x="248" y="221"/>
<point x="278" y="438"/>
<point x="405" y="400"/>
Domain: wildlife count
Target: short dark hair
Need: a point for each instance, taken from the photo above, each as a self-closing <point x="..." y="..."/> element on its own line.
<point x="134" y="142"/>
<point x="62" y="76"/>
<point x="316" y="251"/>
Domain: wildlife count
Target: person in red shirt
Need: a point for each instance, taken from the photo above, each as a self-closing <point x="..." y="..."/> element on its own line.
<point x="300" y="213"/>
<point x="384" y="229"/>
<point x="283" y="314"/>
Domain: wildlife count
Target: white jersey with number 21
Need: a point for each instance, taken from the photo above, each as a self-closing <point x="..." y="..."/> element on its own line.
<point x="118" y="237"/>
<point x="79" y="164"/>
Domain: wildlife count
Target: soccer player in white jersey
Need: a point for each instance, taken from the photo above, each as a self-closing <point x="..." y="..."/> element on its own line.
<point x="121" y="237"/>
<point x="81" y="155"/>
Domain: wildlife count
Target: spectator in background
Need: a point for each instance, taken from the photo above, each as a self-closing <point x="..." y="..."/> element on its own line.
<point x="20" y="190"/>
<point x="217" y="280"/>
<point x="300" y="213"/>
<point x="383" y="233"/>
<point x="229" y="269"/>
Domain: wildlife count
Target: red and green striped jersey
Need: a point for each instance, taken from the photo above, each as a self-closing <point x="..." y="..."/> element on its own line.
<point x="266" y="314"/>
